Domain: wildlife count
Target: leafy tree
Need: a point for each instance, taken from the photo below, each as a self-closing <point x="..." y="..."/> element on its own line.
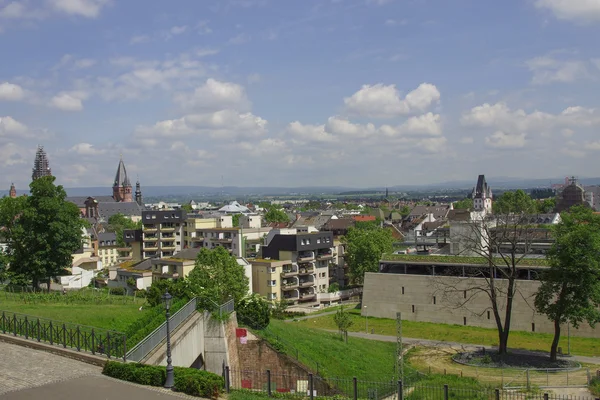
<point x="254" y="311"/>
<point x="464" y="204"/>
<point x="279" y="308"/>
<point x="187" y="207"/>
<point x="42" y="231"/>
<point x="365" y="245"/>
<point x="217" y="277"/>
<point x="178" y="288"/>
<point x="235" y="218"/>
<point x="570" y="289"/>
<point x="117" y="223"/>
<point x="546" y="206"/>
<point x="334" y="287"/>
<point x="343" y="321"/>
<point x="404" y="211"/>
<point x="514" y="203"/>
<point x="276" y="215"/>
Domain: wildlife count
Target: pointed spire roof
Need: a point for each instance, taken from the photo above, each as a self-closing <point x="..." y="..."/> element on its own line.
<point x="121" y="178"/>
<point x="41" y="166"/>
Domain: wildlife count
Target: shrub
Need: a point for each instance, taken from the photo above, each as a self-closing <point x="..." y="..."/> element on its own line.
<point x="138" y="373"/>
<point x="190" y="381"/>
<point x="254" y="311"/>
<point x="595" y="386"/>
<point x="196" y="382"/>
<point x="117" y="291"/>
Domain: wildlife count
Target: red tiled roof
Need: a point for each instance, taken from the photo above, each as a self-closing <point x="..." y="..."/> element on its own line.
<point x="364" y="218"/>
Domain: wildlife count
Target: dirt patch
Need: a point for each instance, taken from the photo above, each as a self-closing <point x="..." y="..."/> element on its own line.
<point x="488" y="359"/>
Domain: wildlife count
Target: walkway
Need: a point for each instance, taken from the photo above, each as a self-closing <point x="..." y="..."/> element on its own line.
<point x="465" y="346"/>
<point x="33" y="374"/>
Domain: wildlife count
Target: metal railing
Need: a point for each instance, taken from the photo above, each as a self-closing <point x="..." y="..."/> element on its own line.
<point x="226" y="307"/>
<point x="156" y="337"/>
<point x="78" y="337"/>
<point x="309" y="386"/>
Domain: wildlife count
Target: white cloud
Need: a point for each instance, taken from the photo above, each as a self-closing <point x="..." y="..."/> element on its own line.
<point x="214" y="95"/>
<point x="12" y="154"/>
<point x="84" y="8"/>
<point x="86" y="149"/>
<point x="20" y="10"/>
<point x="379" y="2"/>
<point x="11" y="92"/>
<point x="573" y="10"/>
<point x="310" y="133"/>
<point x="11" y="127"/>
<point x="69" y="101"/>
<point x="381" y="101"/>
<point x="239" y="39"/>
<point x="549" y="70"/>
<point x="343" y="127"/>
<point x="178" y="30"/>
<point x="139" y="39"/>
<point x="500" y="139"/>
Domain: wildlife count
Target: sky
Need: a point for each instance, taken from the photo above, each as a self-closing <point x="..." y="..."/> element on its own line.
<point x="355" y="93"/>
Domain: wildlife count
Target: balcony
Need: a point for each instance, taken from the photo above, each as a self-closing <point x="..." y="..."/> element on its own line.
<point x="288" y="271"/>
<point x="324" y="256"/>
<point x="292" y="296"/>
<point x="223" y="240"/>
<point x="167" y="235"/>
<point x="198" y="239"/>
<point x="167" y="228"/>
<point x="308" y="256"/>
<point x="168" y="246"/>
<point x="150" y="238"/>
<point x="150" y="228"/>
<point x="307" y="283"/>
<point x="308" y="295"/>
<point x="151" y="248"/>
<point x="306" y="271"/>
<point x="289" y="284"/>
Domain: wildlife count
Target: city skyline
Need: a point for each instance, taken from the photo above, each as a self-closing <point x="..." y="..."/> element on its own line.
<point x="359" y="93"/>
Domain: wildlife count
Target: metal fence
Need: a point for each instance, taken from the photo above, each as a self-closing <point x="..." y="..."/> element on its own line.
<point x="311" y="386"/>
<point x="78" y="337"/>
<point x="226" y="308"/>
<point x="156" y="337"/>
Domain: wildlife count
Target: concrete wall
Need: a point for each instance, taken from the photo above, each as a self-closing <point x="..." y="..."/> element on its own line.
<point x="425" y="298"/>
<point x="215" y="345"/>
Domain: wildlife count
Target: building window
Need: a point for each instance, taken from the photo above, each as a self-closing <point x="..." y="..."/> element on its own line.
<point x="413" y="308"/>
<point x="403" y="290"/>
<point x="433" y="299"/>
<point x="271" y="282"/>
<point x="272" y="296"/>
<point x="319" y="241"/>
<point x="464" y="320"/>
<point x="533" y="327"/>
<point x="488" y="315"/>
<point x="465" y="294"/>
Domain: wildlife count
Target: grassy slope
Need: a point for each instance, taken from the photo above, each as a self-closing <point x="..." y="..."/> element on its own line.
<point x="361" y="358"/>
<point x="109" y="316"/>
<point x="458" y="333"/>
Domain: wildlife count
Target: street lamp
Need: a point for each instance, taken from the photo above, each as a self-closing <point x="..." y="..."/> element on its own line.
<point x="366" y="319"/>
<point x="169" y="382"/>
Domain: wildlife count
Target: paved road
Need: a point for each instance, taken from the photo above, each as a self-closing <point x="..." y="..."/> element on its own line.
<point x="33" y="374"/>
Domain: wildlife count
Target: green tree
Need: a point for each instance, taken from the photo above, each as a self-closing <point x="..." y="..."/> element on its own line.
<point x="570" y="289"/>
<point x="546" y="206"/>
<point x="343" y="321"/>
<point x="514" y="203"/>
<point x="464" y="204"/>
<point x="404" y="211"/>
<point x="117" y="223"/>
<point x="279" y="309"/>
<point x="235" y="218"/>
<point x="187" y="207"/>
<point x="42" y="232"/>
<point x="365" y="245"/>
<point x="276" y="215"/>
<point x="218" y="277"/>
<point x="254" y="311"/>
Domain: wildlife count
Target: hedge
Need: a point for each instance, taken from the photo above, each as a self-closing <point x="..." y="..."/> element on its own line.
<point x="190" y="381"/>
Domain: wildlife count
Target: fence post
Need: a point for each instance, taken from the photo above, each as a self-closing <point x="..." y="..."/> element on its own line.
<point x="26" y="330"/>
<point x="15" y="324"/>
<point x="497" y="394"/>
<point x="227" y="381"/>
<point x="527" y="376"/>
<point x="545" y="396"/>
<point x="3" y="323"/>
<point x="124" y="348"/>
<point x="78" y="339"/>
<point x="64" y="336"/>
<point x="93" y="344"/>
<point x="269" y="383"/>
<point x="108" y="344"/>
<point x="311" y="387"/>
<point x="38" y="330"/>
<point x="445" y="392"/>
<point x="400" y="391"/>
<point x="355" y="388"/>
<point x="567" y="377"/>
<point x="51" y="334"/>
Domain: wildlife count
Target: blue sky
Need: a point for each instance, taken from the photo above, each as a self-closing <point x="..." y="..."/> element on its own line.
<point x="299" y="92"/>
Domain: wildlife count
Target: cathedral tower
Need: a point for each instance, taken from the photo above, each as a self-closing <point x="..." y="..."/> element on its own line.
<point x="122" y="190"/>
<point x="13" y="192"/>
<point x="41" y="166"/>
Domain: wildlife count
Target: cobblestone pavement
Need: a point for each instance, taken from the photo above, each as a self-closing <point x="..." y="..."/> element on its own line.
<point x="22" y="368"/>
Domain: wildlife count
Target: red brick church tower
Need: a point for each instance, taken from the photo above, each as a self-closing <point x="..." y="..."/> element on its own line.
<point x="13" y="191"/>
<point x="122" y="190"/>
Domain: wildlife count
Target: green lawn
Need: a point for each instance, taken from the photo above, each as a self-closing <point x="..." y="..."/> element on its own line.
<point x="457" y="333"/>
<point x="115" y="314"/>
<point x="361" y="358"/>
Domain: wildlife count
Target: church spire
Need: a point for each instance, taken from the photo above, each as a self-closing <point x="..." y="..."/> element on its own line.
<point x="122" y="185"/>
<point x="41" y="165"/>
<point x="13" y="191"/>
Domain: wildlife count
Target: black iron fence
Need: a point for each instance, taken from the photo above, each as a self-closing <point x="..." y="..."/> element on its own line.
<point x="77" y="337"/>
<point x="309" y="386"/>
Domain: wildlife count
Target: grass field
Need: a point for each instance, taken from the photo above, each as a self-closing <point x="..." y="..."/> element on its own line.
<point x="456" y="333"/>
<point x="115" y="314"/>
<point x="361" y="358"/>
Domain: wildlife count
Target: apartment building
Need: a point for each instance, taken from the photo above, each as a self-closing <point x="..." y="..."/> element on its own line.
<point x="310" y="254"/>
<point x="219" y="231"/>
<point x="108" y="249"/>
<point x="174" y="267"/>
<point x="162" y="232"/>
<point x="275" y="280"/>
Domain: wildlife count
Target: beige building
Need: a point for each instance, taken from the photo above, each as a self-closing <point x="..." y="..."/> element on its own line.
<point x="131" y="275"/>
<point x="108" y="249"/>
<point x="162" y="232"/>
<point x="444" y="293"/>
<point x="174" y="267"/>
<point x="275" y="280"/>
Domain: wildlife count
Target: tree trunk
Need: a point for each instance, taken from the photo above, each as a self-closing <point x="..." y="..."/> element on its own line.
<point x="554" y="347"/>
<point x="49" y="281"/>
<point x="507" y="315"/>
<point x="35" y="284"/>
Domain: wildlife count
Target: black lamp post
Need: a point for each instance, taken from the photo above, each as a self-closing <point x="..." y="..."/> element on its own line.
<point x="169" y="382"/>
